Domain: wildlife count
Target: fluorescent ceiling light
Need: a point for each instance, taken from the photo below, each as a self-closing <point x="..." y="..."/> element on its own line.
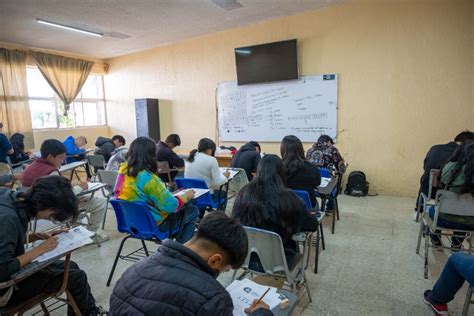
<point x="71" y="28"/>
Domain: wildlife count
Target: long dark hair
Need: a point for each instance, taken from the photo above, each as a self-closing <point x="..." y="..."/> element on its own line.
<point x="204" y="144"/>
<point x="18" y="144"/>
<point x="266" y="203"/>
<point x="292" y="152"/>
<point x="464" y="158"/>
<point x="141" y="156"/>
<point x="325" y="139"/>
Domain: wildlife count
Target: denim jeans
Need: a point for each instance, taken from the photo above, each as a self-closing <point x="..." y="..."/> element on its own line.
<point x="459" y="268"/>
<point x="188" y="225"/>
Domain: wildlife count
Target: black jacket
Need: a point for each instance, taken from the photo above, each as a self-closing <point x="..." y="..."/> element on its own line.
<point x="436" y="157"/>
<point x="165" y="153"/>
<point x="246" y="158"/>
<point x="174" y="281"/>
<point x="13" y="226"/>
<point x="105" y="147"/>
<point x="306" y="179"/>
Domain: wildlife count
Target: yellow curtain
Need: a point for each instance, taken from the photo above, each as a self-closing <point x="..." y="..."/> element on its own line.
<point x="66" y="76"/>
<point x="15" y="108"/>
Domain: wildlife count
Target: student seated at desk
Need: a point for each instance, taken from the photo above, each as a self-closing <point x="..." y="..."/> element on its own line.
<point x="49" y="198"/>
<point x="247" y="158"/>
<point x="164" y="152"/>
<point x="457" y="175"/>
<point x="266" y="203"/>
<point x="53" y="152"/>
<point x="137" y="181"/>
<point x="181" y="279"/>
<point x="107" y="146"/>
<point x="18" y="145"/>
<point x="436" y="157"/>
<point x="5" y="146"/>
<point x="75" y="151"/>
<point x="300" y="174"/>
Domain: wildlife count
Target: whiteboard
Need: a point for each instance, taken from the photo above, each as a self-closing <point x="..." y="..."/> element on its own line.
<point x="306" y="108"/>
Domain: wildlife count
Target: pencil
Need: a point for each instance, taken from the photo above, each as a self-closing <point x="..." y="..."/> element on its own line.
<point x="261" y="298"/>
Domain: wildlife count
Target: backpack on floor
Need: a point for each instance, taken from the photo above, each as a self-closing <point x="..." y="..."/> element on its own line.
<point x="357" y="184"/>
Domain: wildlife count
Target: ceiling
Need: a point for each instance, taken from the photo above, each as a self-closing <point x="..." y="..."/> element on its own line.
<point x="133" y="25"/>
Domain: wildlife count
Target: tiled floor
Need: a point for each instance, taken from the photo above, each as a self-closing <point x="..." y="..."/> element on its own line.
<point x="369" y="266"/>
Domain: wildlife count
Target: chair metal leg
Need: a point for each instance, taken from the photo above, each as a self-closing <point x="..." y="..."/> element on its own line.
<point x="307" y="290"/>
<point x="427" y="246"/>
<point x="71" y="302"/>
<point x="418" y="244"/>
<point x="44" y="309"/>
<point x="105" y="213"/>
<point x="116" y="259"/>
<point x="336" y="204"/>
<point x="418" y="208"/>
<point x="467" y="301"/>
<point x="323" y="243"/>
<point x="316" y="253"/>
<point x="334" y="218"/>
<point x="323" y="204"/>
<point x="145" y="248"/>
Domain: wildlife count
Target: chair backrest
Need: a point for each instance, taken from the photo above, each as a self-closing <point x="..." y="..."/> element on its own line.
<point x="433" y="181"/>
<point x="268" y="247"/>
<point x="448" y="202"/>
<point x="325" y="173"/>
<point x="204" y="200"/>
<point x="239" y="181"/>
<point x="96" y="161"/>
<point x="135" y="219"/>
<point x="305" y="197"/>
<point x="108" y="177"/>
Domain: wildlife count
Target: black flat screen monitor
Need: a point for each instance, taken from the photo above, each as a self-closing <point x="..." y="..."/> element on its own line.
<point x="267" y="62"/>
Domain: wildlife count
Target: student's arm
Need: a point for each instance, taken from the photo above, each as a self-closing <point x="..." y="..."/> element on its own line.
<point x="316" y="177"/>
<point x="218" y="305"/>
<point x="162" y="199"/>
<point x="175" y="160"/>
<point x="218" y="178"/>
<point x="71" y="148"/>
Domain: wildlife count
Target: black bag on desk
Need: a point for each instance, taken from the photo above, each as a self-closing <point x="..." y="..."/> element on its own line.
<point x="357" y="184"/>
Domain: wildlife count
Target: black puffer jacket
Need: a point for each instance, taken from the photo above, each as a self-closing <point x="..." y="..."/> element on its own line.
<point x="105" y="147"/>
<point x="174" y="281"/>
<point x="246" y="158"/>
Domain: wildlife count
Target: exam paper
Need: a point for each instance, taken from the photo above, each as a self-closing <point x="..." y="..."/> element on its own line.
<point x="75" y="238"/>
<point x="197" y="192"/>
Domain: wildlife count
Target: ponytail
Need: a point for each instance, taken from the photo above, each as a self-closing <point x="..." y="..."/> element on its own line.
<point x="192" y="154"/>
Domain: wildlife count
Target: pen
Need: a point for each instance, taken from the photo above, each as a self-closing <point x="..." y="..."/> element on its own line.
<point x="261" y="298"/>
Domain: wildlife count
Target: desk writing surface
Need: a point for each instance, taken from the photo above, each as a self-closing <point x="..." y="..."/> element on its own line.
<point x="71" y="166"/>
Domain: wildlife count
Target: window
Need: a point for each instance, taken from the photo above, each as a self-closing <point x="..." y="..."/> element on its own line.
<point x="47" y="110"/>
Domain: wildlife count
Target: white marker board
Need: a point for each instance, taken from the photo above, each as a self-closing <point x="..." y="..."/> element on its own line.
<point x="306" y="108"/>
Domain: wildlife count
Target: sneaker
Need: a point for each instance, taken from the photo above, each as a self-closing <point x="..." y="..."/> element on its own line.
<point x="98" y="311"/>
<point x="438" y="309"/>
<point x="456" y="247"/>
<point x="436" y="241"/>
<point x="98" y="238"/>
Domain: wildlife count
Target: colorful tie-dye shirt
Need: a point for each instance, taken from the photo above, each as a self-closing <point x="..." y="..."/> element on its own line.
<point x="147" y="187"/>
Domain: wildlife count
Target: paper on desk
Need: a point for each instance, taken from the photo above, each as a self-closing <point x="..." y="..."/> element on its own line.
<point x="197" y="192"/>
<point x="324" y="182"/>
<point x="230" y="171"/>
<point x="244" y="292"/>
<point x="75" y="238"/>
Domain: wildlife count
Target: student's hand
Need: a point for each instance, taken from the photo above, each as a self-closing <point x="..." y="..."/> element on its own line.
<point x="252" y="308"/>
<point x="48" y="245"/>
<point x="39" y="236"/>
<point x="227" y="174"/>
<point x="58" y="231"/>
<point x="84" y="185"/>
<point x="190" y="194"/>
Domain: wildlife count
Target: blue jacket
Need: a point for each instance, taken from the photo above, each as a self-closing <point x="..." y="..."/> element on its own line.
<point x="72" y="149"/>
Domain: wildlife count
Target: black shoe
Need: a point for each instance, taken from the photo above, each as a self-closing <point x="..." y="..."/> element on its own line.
<point x="435" y="240"/>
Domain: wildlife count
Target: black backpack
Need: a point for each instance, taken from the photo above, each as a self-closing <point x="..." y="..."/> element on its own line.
<point x="357" y="184"/>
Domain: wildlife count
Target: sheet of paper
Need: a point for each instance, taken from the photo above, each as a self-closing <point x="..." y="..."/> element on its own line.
<point x="93" y="185"/>
<point x="244" y="292"/>
<point x="75" y="238"/>
<point x="197" y="192"/>
<point x="324" y="182"/>
<point x="229" y="170"/>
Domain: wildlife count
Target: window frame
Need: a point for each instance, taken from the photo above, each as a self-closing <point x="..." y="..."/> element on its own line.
<point x="56" y="99"/>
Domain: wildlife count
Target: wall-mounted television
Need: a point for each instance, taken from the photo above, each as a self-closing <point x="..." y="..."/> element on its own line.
<point x="267" y="62"/>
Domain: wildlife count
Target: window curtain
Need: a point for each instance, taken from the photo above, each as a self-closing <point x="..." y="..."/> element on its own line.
<point x="15" y="108"/>
<point x="66" y="76"/>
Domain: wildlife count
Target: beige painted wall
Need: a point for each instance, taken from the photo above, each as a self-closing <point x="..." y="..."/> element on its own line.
<point x="405" y="72"/>
<point x="91" y="133"/>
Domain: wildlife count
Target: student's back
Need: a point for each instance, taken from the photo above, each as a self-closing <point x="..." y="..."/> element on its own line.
<point x="247" y="158"/>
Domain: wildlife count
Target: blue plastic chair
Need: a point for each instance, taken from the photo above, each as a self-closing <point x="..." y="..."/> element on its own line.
<point x="304" y="195"/>
<point x="135" y="219"/>
<point x="205" y="201"/>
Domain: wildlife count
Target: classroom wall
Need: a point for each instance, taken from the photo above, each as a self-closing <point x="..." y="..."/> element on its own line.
<point x="405" y="80"/>
<point x="91" y="133"/>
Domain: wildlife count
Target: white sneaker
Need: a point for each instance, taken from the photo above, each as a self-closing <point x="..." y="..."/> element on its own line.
<point x="98" y="238"/>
